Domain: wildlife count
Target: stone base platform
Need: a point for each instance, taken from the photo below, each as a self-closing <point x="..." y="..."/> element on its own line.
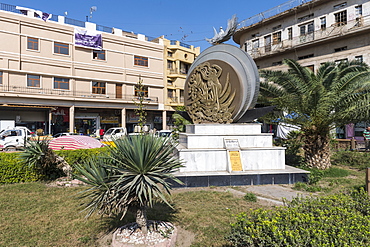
<point x="289" y="175"/>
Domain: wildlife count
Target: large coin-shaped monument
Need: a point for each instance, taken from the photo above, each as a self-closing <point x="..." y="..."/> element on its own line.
<point x="222" y="84"/>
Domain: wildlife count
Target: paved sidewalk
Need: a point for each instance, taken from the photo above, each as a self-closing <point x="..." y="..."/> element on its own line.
<point x="273" y="193"/>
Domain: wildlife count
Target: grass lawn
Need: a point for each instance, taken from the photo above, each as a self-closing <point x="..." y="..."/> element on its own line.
<point x="34" y="214"/>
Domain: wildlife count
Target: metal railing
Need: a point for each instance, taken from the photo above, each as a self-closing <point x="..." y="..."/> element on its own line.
<point x="10" y="8"/>
<point x="104" y="29"/>
<point x="271" y="12"/>
<point x="69" y="93"/>
<point x="316" y="36"/>
<point x="74" y="22"/>
<point x="175" y="42"/>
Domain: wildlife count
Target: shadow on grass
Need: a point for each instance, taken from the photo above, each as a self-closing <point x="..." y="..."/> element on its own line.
<point x="159" y="211"/>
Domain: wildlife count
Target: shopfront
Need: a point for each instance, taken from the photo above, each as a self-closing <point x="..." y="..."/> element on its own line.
<point x="60" y="120"/>
<point x="34" y="118"/>
<point x="154" y="120"/>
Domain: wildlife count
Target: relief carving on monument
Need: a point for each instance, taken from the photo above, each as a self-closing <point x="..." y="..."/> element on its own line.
<point x="209" y="100"/>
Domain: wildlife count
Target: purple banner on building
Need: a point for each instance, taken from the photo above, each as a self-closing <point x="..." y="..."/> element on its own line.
<point x="88" y="39"/>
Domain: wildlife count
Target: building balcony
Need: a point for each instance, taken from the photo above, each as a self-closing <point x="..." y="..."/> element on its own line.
<point x="319" y="36"/>
<point x="173" y="100"/>
<point x="56" y="94"/>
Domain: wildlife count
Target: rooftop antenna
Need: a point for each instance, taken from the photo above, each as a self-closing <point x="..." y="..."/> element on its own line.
<point x="92" y="9"/>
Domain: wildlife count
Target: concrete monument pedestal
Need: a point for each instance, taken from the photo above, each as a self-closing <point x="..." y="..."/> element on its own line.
<point x="204" y="150"/>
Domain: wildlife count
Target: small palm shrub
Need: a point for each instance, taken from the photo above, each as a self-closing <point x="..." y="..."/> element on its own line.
<point x="39" y="156"/>
<point x="134" y="173"/>
<point x="336" y="220"/>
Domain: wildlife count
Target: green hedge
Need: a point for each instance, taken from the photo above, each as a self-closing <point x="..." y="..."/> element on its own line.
<point x="360" y="160"/>
<point x="337" y="220"/>
<point x="14" y="171"/>
<point x="78" y="156"/>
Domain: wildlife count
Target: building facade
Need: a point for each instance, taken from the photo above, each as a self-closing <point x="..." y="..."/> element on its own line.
<point x="54" y="80"/>
<point x="179" y="57"/>
<point x="311" y="32"/>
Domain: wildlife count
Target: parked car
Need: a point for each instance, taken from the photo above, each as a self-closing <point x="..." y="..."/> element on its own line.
<point x="64" y="134"/>
<point x="163" y="133"/>
<point x="114" y="133"/>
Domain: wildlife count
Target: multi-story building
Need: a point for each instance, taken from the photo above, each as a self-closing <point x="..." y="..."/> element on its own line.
<point x="60" y="74"/>
<point x="179" y="57"/>
<point x="311" y="32"/>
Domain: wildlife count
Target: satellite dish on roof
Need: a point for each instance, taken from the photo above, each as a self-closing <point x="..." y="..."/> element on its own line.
<point x="92" y="9"/>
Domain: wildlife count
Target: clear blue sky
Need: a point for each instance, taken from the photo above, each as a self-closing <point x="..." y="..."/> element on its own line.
<point x="188" y="21"/>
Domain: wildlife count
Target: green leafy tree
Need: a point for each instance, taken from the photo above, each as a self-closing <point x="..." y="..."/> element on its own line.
<point x="179" y="121"/>
<point x="336" y="95"/>
<point x="140" y="110"/>
<point x="134" y="173"/>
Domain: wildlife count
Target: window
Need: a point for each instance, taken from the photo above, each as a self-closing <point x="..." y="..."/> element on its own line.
<point x="61" y="83"/>
<point x="277" y="63"/>
<point x="171" y="93"/>
<point x="276" y="27"/>
<point x="345" y="60"/>
<point x="169" y="65"/>
<point x="255" y="44"/>
<point x="267" y="43"/>
<point x="276" y="38"/>
<point x="141" y="93"/>
<point x="32" y="44"/>
<point x="61" y="48"/>
<point x="99" y="54"/>
<point x="169" y="54"/>
<point x="290" y="33"/>
<point x="340" y="49"/>
<point x="341" y="18"/>
<point x="306" y="28"/>
<point x="358" y="10"/>
<point x="98" y="87"/>
<point x="306" y="17"/>
<point x="255" y="35"/>
<point x="1" y="77"/>
<point x="305" y="56"/>
<point x="33" y="81"/>
<point x="311" y="67"/>
<point x="184" y="68"/>
<point x="141" y="61"/>
<point x="182" y="93"/>
<point x="338" y="6"/>
<point x="359" y="58"/>
<point x="323" y="23"/>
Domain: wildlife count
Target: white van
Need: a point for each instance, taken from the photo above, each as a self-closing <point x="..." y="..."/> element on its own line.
<point x="14" y="138"/>
<point x="114" y="133"/>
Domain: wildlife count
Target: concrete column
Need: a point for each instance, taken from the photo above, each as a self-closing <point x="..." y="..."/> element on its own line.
<point x="72" y="118"/>
<point x="50" y="119"/>
<point x="123" y="118"/>
<point x="164" y="120"/>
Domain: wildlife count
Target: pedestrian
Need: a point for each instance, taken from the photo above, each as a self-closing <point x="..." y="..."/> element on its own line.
<point x="366" y="135"/>
<point x="101" y="133"/>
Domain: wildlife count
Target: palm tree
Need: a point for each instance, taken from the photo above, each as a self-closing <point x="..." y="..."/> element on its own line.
<point x="135" y="171"/>
<point x="337" y="94"/>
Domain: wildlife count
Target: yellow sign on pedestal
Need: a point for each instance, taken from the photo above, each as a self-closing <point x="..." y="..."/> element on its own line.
<point x="236" y="164"/>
